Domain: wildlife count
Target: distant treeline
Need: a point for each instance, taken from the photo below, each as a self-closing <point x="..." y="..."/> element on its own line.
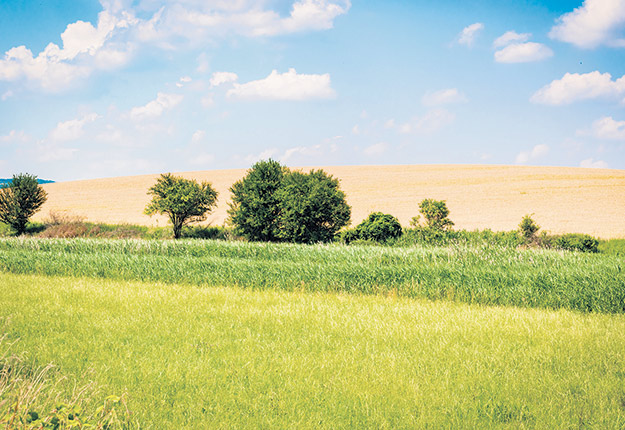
<point x="41" y="181"/>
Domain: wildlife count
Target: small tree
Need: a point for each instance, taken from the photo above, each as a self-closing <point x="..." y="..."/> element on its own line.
<point x="183" y="200"/>
<point x="379" y="227"/>
<point x="312" y="207"/>
<point x="528" y="228"/>
<point x="255" y="205"/>
<point x="19" y="200"/>
<point x="436" y="214"/>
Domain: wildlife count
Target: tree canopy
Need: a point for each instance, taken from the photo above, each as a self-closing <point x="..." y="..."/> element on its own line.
<point x="183" y="200"/>
<point x="19" y="200"/>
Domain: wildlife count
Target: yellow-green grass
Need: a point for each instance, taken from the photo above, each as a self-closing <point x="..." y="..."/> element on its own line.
<point x="210" y="357"/>
<point x="562" y="199"/>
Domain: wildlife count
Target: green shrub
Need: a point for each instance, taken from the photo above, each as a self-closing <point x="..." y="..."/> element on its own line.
<point x="576" y="242"/>
<point x="19" y="200"/>
<point x="528" y="228"/>
<point x="436" y="214"/>
<point x="207" y="232"/>
<point x="379" y="227"/>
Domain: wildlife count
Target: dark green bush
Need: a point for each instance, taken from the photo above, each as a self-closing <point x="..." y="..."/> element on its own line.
<point x="207" y="232"/>
<point x="576" y="242"/>
<point x="379" y="227"/>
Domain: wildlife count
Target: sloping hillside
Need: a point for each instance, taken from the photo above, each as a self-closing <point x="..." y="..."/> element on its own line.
<point x="562" y="199"/>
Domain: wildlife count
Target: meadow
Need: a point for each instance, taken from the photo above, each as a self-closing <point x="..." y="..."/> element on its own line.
<point x="487" y="274"/>
<point x="190" y="357"/>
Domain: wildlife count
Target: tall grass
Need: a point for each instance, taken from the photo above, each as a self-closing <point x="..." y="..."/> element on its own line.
<point x="486" y="275"/>
<point x="193" y="358"/>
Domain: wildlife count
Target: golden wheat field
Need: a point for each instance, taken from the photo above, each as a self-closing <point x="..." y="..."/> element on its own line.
<point x="562" y="199"/>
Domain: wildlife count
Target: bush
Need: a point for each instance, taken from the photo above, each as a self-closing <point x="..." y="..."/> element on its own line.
<point x="379" y="227"/>
<point x="528" y="228"/>
<point x="183" y="200"/>
<point x="435" y="213"/>
<point x="576" y="242"/>
<point x="312" y="207"/>
<point x="19" y="200"/>
<point x="255" y="207"/>
<point x="271" y="203"/>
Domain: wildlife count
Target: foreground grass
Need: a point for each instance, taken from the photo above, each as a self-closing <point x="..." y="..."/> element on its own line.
<point x="486" y="275"/>
<point x="192" y="357"/>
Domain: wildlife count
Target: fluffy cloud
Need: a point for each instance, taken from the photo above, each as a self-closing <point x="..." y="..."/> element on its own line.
<point x="468" y="34"/>
<point x="537" y="152"/>
<point x="220" y="78"/>
<point x="594" y="23"/>
<point x="523" y="53"/>
<point x="72" y="129"/>
<point x="119" y="33"/>
<point x="608" y="128"/>
<point x="285" y="86"/>
<point x="443" y="97"/>
<point x="55" y="69"/>
<point x="156" y="107"/>
<point x="573" y="87"/>
<point x="15" y="136"/>
<point x="511" y="37"/>
<point x="593" y="164"/>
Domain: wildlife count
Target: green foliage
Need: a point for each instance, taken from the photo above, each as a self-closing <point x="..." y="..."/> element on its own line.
<point x="528" y="228"/>
<point x="183" y="200"/>
<point x="19" y="200"/>
<point x="273" y="204"/>
<point x="576" y="242"/>
<point x="312" y="207"/>
<point x="255" y="206"/>
<point x="612" y="247"/>
<point x="379" y="227"/>
<point x="436" y="214"/>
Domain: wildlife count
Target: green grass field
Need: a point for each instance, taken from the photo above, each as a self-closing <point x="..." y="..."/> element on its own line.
<point x="208" y="334"/>
<point x="196" y="357"/>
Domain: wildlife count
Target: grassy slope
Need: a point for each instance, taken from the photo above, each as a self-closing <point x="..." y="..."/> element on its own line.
<point x="563" y="199"/>
<point x="487" y="275"/>
<point x="192" y="357"/>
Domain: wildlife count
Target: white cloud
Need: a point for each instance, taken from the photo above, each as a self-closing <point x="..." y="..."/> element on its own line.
<point x="442" y="97"/>
<point x="594" y="23"/>
<point x="15" y="136"/>
<point x="573" y="87"/>
<point x="264" y="155"/>
<point x="72" y="129"/>
<point x="511" y="37"/>
<point x="609" y="128"/>
<point x="220" y="78"/>
<point x="468" y="34"/>
<point x="593" y="164"/>
<point x="376" y="149"/>
<point x="523" y="53"/>
<point x="156" y="107"/>
<point x="51" y="151"/>
<point x="432" y="121"/>
<point x="285" y="86"/>
<point x="537" y="152"/>
<point x="7" y="95"/>
<point x="301" y="151"/>
<point x="54" y="68"/>
<point x="198" y="136"/>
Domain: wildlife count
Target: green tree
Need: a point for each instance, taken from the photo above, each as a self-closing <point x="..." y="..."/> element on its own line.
<point x="528" y="228"/>
<point x="255" y="207"/>
<point x="312" y="207"/>
<point x="379" y="227"/>
<point x="183" y="200"/>
<point x="436" y="214"/>
<point x="19" y="200"/>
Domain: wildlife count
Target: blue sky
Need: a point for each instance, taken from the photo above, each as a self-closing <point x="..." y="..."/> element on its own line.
<point x="125" y="87"/>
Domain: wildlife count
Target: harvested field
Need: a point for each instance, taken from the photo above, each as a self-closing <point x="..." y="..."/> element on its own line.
<point x="562" y="199"/>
